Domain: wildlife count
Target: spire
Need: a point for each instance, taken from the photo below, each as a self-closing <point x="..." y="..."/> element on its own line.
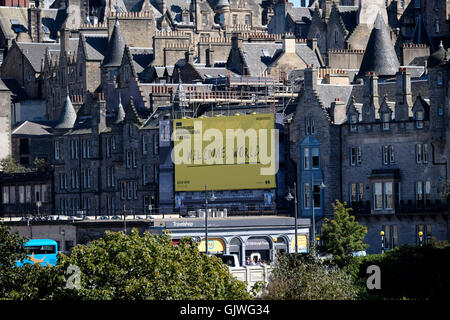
<point x="120" y="115"/>
<point x="380" y="54"/>
<point x="116" y="45"/>
<point x="68" y="115"/>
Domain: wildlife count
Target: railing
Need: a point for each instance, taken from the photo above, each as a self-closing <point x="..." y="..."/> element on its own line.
<point x="402" y="207"/>
<point x="128" y="214"/>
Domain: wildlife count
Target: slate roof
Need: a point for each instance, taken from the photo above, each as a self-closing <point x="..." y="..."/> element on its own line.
<point x="141" y="58"/>
<point x="328" y="92"/>
<point x="380" y="54"/>
<point x="16" y="89"/>
<point x="300" y="14"/>
<point x="115" y="48"/>
<point x="35" y="52"/>
<point x="30" y="128"/>
<point x="259" y="56"/>
<point x="95" y="46"/>
<point x="439" y="57"/>
<point x="68" y="116"/>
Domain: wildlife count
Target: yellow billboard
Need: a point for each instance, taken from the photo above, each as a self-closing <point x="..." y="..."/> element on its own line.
<point x="225" y="153"/>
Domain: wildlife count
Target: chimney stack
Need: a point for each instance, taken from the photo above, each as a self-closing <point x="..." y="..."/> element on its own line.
<point x="403" y="95"/>
<point x="288" y="43"/>
<point x="371" y="103"/>
<point x="311" y="77"/>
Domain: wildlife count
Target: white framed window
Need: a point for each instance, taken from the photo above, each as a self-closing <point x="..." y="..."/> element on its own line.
<point x="144" y="145"/>
<point x="144" y="175"/>
<point x="129" y="190"/>
<point x="135" y="196"/>
<point x="378" y="195"/>
<point x="356" y="192"/>
<point x="5" y="194"/>
<point x="306" y="158"/>
<point x="355" y="156"/>
<point x="386" y="117"/>
<point x="388" y="154"/>
<point x="315" y="160"/>
<point x="128" y="159"/>
<point x="388" y="196"/>
<point x="134" y="159"/>
<point x="421" y="153"/>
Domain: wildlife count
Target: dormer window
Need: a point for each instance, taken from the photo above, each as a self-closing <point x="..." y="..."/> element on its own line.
<point x="439" y="80"/>
<point x="386" y="118"/>
<point x="309" y="126"/>
<point x="419" y="119"/>
<point x="353" y="122"/>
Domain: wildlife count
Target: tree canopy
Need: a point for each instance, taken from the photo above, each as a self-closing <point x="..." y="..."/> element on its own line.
<point x="123" y="266"/>
<point x="342" y="235"/>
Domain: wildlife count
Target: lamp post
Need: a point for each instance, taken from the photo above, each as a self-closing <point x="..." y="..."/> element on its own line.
<point x="213" y="197"/>
<point x="420" y="238"/>
<point x="289" y="197"/>
<point x="382" y="241"/>
<point x="321" y="187"/>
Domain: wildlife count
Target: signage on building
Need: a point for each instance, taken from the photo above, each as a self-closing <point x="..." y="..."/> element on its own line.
<point x="225" y="153"/>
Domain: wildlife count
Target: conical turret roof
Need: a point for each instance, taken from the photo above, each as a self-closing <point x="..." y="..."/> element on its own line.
<point x="438" y="57"/>
<point x="120" y="115"/>
<point x="380" y="54"/>
<point x="114" y="50"/>
<point x="68" y="115"/>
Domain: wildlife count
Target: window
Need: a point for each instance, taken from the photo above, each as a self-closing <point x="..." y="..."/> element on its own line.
<point x="436" y="26"/>
<point x="130" y="129"/>
<point x="248" y="19"/>
<point x="122" y="190"/>
<point x="144" y="175"/>
<point x="113" y="142"/>
<point x="134" y="159"/>
<point x="129" y="190"/>
<point x="307" y="199"/>
<point x="128" y="159"/>
<point x="56" y="150"/>
<point x="74" y="149"/>
<point x="315" y="158"/>
<point x="135" y="190"/>
<point x="316" y="195"/>
<point x="416" y="3"/>
<point x="5" y="194"/>
<point x="353" y="121"/>
<point x="309" y="126"/>
<point x="28" y="194"/>
<point x="419" y="191"/>
<point x="388" y="198"/>
<point x="234" y="19"/>
<point x="388" y="155"/>
<point x="108" y="147"/>
<point x="439" y="80"/>
<point x="421" y="153"/>
<point x="356" y="192"/>
<point x="156" y="144"/>
<point x="306" y="158"/>
<point x="336" y="37"/>
<point x="144" y="145"/>
<point x="386" y="117"/>
<point x="426" y="230"/>
<point x="427" y="191"/>
<point x="205" y="19"/>
<point x="419" y="119"/>
<point x="21" y="194"/>
<point x="156" y="173"/>
<point x="378" y="196"/>
<point x="355" y="156"/>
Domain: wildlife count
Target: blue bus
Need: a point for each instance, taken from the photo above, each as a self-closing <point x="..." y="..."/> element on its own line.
<point x="42" y="251"/>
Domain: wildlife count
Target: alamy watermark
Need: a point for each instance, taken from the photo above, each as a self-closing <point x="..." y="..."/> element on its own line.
<point x="374" y="280"/>
<point x="262" y="147"/>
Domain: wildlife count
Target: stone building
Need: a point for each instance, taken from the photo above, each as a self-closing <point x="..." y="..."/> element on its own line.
<point x="379" y="146"/>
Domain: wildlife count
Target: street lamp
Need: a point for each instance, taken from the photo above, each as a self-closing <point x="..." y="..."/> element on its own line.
<point x="382" y="241"/>
<point x="289" y="197"/>
<point x="213" y="198"/>
<point x="420" y="238"/>
<point x="321" y="187"/>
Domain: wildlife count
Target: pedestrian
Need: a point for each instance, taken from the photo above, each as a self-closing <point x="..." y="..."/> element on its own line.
<point x="247" y="262"/>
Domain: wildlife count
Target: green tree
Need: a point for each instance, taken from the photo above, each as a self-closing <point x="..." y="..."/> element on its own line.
<point x="342" y="235"/>
<point x="306" y="277"/>
<point x="129" y="267"/>
<point x="10" y="165"/>
<point x="10" y="251"/>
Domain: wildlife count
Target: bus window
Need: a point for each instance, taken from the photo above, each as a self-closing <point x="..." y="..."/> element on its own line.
<point x="49" y="249"/>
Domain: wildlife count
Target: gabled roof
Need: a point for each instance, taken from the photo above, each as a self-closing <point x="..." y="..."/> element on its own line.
<point x="32" y="129"/>
<point x="380" y="54"/>
<point x="114" y="50"/>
